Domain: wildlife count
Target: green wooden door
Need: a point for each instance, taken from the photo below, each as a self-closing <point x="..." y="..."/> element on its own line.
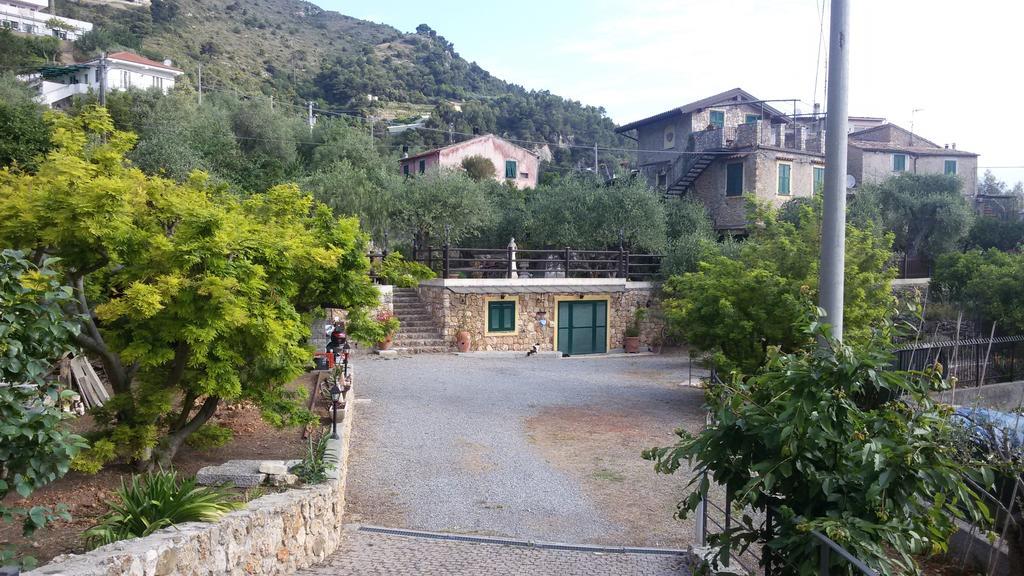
<point x="583" y="327"/>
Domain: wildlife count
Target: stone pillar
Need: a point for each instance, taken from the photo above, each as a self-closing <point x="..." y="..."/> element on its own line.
<point x="800" y="138"/>
<point x="779" y="135"/>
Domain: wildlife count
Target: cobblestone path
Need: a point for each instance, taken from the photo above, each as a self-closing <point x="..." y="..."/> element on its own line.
<point x="366" y="553"/>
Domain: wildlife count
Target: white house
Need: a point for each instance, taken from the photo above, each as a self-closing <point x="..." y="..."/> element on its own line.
<point x="124" y="70"/>
<point x="31" y="17"/>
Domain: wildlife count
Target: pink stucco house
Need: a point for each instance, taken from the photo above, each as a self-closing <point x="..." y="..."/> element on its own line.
<point x="512" y="163"/>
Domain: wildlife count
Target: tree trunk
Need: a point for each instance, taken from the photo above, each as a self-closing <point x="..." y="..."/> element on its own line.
<point x="164" y="452"/>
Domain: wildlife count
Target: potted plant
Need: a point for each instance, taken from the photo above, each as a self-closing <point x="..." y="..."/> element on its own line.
<point x="631" y="340"/>
<point x="389" y="325"/>
<point x="463" y="340"/>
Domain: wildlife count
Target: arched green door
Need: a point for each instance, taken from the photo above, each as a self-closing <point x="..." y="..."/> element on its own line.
<point x="583" y="327"/>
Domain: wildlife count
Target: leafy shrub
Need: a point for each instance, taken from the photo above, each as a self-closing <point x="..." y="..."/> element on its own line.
<point x="93" y="459"/>
<point x="155" y="501"/>
<point x="994" y="233"/>
<point x="835" y="441"/>
<point x="210" y="436"/>
<point x="734" y="309"/>
<point x="397" y="271"/>
<point x="479" y="167"/>
<point x="986" y="283"/>
<point x="313" y="468"/>
<point x="36" y="445"/>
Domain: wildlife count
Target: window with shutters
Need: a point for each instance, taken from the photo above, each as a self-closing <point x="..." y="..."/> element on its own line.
<point x="734" y="179"/>
<point x="405" y="169"/>
<point x="511" y="169"/>
<point x="423" y="166"/>
<point x="950" y="167"/>
<point x="819" y="180"/>
<point x="751" y="118"/>
<point x="899" y="162"/>
<point x="501" y="316"/>
<point x="717" y="118"/>
<point x="785" y="174"/>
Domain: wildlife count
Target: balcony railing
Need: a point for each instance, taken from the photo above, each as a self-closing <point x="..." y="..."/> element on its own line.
<point x="453" y="262"/>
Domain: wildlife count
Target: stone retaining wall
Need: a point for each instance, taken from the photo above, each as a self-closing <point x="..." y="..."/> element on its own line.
<point x="273" y="535"/>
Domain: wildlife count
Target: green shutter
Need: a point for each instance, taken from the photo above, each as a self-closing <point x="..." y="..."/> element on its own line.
<point x="734" y="179"/>
<point x="510" y="169"/>
<point x="819" y="180"/>
<point x="501" y="316"/>
<point x="784" y="174"/>
<point x="717" y="118"/>
<point x="899" y="162"/>
<point x="423" y="166"/>
<point x="751" y="118"/>
<point x="950" y="167"/>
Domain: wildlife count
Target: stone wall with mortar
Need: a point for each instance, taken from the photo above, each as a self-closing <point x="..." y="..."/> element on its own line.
<point x="272" y="536"/>
<point x="457" y="311"/>
<point x="385" y="299"/>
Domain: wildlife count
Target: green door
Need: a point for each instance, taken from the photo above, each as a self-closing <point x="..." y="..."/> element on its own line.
<point x="583" y="327"/>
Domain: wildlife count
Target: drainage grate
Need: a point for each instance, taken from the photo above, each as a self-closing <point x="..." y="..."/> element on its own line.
<point x="522" y="543"/>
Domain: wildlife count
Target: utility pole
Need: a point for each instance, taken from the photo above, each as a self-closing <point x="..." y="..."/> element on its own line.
<point x="200" y="84"/>
<point x="833" y="234"/>
<point x="271" y="103"/>
<point x="310" y="116"/>
<point x="595" y="159"/>
<point x="372" y="119"/>
<point x="451" y="133"/>
<point x="103" y="79"/>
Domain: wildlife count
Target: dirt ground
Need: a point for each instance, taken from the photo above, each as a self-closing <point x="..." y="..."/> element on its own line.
<point x="85" y="494"/>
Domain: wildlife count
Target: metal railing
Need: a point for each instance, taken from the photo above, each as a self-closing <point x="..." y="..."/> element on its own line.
<point x="448" y="261"/>
<point x="974" y="361"/>
<point x="770" y="563"/>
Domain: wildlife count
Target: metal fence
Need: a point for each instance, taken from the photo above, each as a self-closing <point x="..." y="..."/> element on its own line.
<point x="449" y="261"/>
<point x="974" y="362"/>
<point x="912" y="267"/>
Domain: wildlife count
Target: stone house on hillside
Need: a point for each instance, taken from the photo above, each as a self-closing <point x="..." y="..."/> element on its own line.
<point x="38" y="18"/>
<point x="878" y="153"/>
<point x="513" y="164"/>
<point x="727" y="148"/>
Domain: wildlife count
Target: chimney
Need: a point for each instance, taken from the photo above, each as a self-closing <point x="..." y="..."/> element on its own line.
<point x="954" y="145"/>
<point x="53" y="7"/>
<point x="947" y="146"/>
<point x="800" y="138"/>
<point x="817" y="109"/>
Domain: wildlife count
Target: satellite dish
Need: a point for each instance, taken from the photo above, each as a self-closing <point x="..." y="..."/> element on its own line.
<point x="851" y="182"/>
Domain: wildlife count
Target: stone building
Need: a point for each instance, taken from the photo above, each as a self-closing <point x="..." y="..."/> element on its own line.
<point x="513" y="164"/>
<point x="726" y="149"/>
<point x="571" y="315"/>
<point x="877" y="153"/>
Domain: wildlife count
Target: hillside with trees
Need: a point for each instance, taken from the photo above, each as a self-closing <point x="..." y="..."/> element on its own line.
<point x="294" y="51"/>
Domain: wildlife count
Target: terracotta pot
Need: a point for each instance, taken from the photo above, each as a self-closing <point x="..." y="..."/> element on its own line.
<point x="462" y="341"/>
<point x="385" y="343"/>
<point x="631" y="344"/>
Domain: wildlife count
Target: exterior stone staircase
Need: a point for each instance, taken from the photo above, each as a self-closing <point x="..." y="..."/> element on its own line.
<point x="418" y="331"/>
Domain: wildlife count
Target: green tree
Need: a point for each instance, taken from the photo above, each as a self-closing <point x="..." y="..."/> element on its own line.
<point x="987" y="283"/>
<point x="36" y="443"/>
<point x="735" y="309"/>
<point x="21" y="54"/>
<point x="436" y="203"/>
<point x="581" y="212"/>
<point x="927" y="213"/>
<point x="838" y="442"/>
<point x="692" y="237"/>
<point x="988" y="233"/>
<point x="479" y="168"/>
<point x="26" y="134"/>
<point x="190" y="296"/>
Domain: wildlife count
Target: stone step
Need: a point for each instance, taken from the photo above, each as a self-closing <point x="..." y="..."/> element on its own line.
<point x="418" y="335"/>
<point x="415" y="318"/>
<point x="421" y="322"/>
<point x="424" y="350"/>
<point x="415" y="341"/>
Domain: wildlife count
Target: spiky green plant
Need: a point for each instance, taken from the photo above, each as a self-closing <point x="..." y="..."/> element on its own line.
<point x="157" y="500"/>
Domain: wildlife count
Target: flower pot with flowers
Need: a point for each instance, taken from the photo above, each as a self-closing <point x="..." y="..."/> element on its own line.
<point x="389" y="325"/>
<point x="631" y="336"/>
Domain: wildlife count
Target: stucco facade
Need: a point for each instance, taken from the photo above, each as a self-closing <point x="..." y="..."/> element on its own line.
<point x="124" y="71"/>
<point x="873" y="157"/>
<point x="463" y="305"/>
<point x="513" y="164"/>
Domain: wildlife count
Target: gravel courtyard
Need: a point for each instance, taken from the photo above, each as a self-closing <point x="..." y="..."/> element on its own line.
<point x="541" y="449"/>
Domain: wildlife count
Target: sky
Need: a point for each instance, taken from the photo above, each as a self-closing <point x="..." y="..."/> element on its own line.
<point x="939" y="65"/>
